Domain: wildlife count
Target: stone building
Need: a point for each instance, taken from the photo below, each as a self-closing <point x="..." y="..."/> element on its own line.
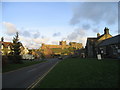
<point x="91" y="44"/>
<point x="50" y="50"/>
<point x="76" y="45"/>
<point x="110" y="48"/>
<point x="46" y="51"/>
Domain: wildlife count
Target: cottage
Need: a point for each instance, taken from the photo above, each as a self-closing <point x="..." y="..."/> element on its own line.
<point x="110" y="48"/>
<point x="91" y="50"/>
<point x="6" y="48"/>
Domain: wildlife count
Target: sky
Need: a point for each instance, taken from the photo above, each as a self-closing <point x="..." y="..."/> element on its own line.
<point x="51" y="22"/>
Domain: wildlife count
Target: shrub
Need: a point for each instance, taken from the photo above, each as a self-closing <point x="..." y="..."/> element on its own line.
<point x="4" y="60"/>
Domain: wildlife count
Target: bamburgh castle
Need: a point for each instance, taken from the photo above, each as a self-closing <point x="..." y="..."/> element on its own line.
<point x="63" y="45"/>
<point x="57" y="49"/>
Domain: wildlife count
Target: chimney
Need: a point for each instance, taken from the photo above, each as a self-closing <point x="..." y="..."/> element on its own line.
<point x="98" y="34"/>
<point x="106" y="30"/>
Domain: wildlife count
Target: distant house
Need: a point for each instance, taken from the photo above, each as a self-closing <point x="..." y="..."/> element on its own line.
<point x="46" y="51"/>
<point x="6" y="48"/>
<point x="91" y="50"/>
<point x="36" y="53"/>
<point x="24" y="50"/>
<point x="110" y="48"/>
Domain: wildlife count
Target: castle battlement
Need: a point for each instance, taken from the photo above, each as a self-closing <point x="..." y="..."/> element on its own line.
<point x="62" y="44"/>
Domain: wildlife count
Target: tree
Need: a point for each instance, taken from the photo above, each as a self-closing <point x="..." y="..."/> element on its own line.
<point x="16" y="49"/>
<point x="42" y="56"/>
<point x="2" y="39"/>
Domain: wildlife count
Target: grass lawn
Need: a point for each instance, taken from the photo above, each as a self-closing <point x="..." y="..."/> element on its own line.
<point x="83" y="73"/>
<point x="11" y="67"/>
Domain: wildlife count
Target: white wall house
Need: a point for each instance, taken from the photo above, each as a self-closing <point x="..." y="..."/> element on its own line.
<point x="25" y="55"/>
<point x="24" y="50"/>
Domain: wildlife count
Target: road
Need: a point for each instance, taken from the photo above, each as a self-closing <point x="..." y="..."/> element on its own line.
<point x="23" y="78"/>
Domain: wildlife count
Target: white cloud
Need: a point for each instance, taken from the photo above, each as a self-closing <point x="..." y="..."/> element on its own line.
<point x="10" y="28"/>
<point x="33" y="42"/>
<point x="95" y="12"/>
<point x="37" y="34"/>
<point x="56" y="34"/>
<point x="86" y="26"/>
<point x="55" y="42"/>
<point x="41" y="40"/>
<point x="8" y="39"/>
<point x="26" y="34"/>
<point x="94" y="16"/>
<point x="78" y="35"/>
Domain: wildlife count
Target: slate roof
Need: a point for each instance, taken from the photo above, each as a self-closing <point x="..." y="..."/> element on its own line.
<point x="112" y="40"/>
<point x="94" y="39"/>
<point x="91" y="40"/>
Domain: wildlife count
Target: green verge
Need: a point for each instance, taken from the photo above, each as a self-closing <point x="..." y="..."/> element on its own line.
<point x="83" y="73"/>
<point x="11" y="67"/>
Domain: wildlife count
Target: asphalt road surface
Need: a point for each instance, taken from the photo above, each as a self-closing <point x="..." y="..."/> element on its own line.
<point x="23" y="78"/>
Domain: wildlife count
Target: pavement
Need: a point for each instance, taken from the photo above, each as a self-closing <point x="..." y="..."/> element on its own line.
<point x="23" y="78"/>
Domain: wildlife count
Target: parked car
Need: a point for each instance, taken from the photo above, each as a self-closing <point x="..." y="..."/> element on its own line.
<point x="60" y="58"/>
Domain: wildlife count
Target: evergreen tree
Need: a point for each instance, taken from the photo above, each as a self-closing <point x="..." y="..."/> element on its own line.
<point x="16" y="49"/>
<point x="2" y="39"/>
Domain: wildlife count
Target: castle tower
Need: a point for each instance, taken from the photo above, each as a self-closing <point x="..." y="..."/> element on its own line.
<point x="106" y="30"/>
<point x="63" y="43"/>
<point x="43" y="44"/>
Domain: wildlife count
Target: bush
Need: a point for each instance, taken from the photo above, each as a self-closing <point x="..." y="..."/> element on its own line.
<point x="14" y="59"/>
<point x="11" y="59"/>
<point x="18" y="59"/>
<point x="4" y="60"/>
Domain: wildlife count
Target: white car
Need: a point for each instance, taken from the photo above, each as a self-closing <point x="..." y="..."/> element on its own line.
<point x="60" y="58"/>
